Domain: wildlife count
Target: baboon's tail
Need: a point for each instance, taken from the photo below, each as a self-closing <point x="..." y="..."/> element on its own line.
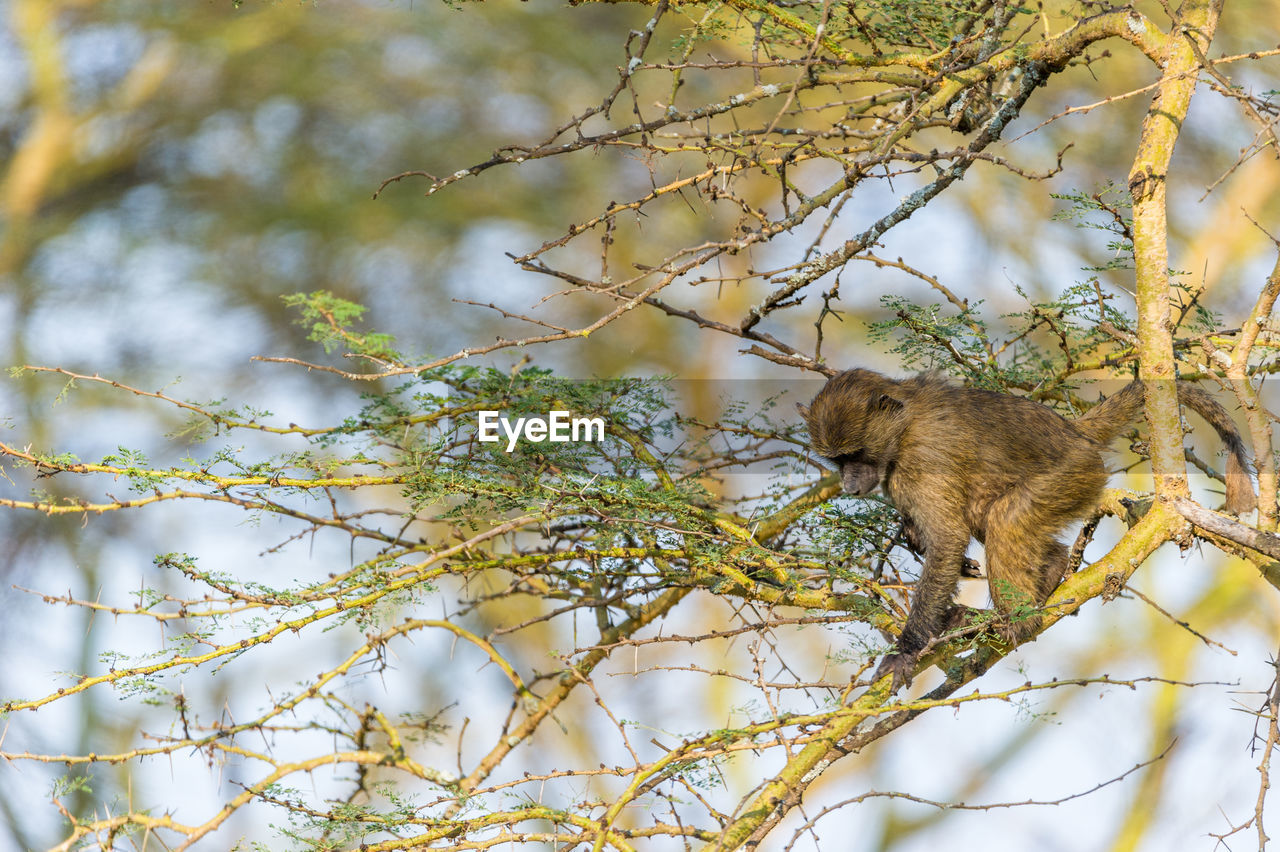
<point x="1240" y="496"/>
<point x="1106" y="420"/>
<point x="1111" y="416"/>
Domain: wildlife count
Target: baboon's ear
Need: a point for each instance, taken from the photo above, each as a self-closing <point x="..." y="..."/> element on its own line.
<point x="803" y="409"/>
<point x="888" y="403"/>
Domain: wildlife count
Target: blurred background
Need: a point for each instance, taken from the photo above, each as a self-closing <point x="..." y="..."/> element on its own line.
<point x="171" y="170"/>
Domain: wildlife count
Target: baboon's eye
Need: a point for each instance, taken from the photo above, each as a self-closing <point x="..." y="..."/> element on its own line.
<point x="847" y="458"/>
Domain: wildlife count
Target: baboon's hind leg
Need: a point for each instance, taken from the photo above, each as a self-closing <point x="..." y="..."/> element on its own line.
<point x="1025" y="562"/>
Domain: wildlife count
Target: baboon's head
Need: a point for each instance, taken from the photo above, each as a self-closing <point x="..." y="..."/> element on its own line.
<point x="851" y="423"/>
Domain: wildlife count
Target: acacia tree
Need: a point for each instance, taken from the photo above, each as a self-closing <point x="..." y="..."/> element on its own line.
<point x="581" y="572"/>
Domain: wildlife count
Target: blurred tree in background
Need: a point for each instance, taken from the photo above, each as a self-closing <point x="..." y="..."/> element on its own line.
<point x="295" y="602"/>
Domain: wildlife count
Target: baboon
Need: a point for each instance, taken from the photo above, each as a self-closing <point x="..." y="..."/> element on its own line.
<point x="959" y="462"/>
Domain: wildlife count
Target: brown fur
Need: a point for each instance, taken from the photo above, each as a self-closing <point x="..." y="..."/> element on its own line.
<point x="960" y="463"/>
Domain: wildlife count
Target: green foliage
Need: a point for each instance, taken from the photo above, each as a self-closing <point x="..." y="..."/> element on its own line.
<point x="330" y="319"/>
<point x="882" y="26"/>
<point x="1195" y="317"/>
<point x="912" y="24"/>
<point x="1107" y="210"/>
<point x="1041" y="347"/>
<point x="703" y="30"/>
<point x="135" y="466"/>
<point x="935" y="337"/>
<point x="64" y="785"/>
<point x="845" y="531"/>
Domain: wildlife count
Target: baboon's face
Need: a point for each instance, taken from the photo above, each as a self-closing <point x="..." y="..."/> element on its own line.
<point x="844" y="421"/>
<point x="858" y="477"/>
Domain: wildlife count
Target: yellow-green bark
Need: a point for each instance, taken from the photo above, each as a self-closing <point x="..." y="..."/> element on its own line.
<point x="1148" y="184"/>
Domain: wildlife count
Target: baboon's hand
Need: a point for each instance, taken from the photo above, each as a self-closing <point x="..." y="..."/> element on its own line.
<point x="901" y="665"/>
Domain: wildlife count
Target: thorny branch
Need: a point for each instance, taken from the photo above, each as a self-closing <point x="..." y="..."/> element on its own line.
<point x="783" y="132"/>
